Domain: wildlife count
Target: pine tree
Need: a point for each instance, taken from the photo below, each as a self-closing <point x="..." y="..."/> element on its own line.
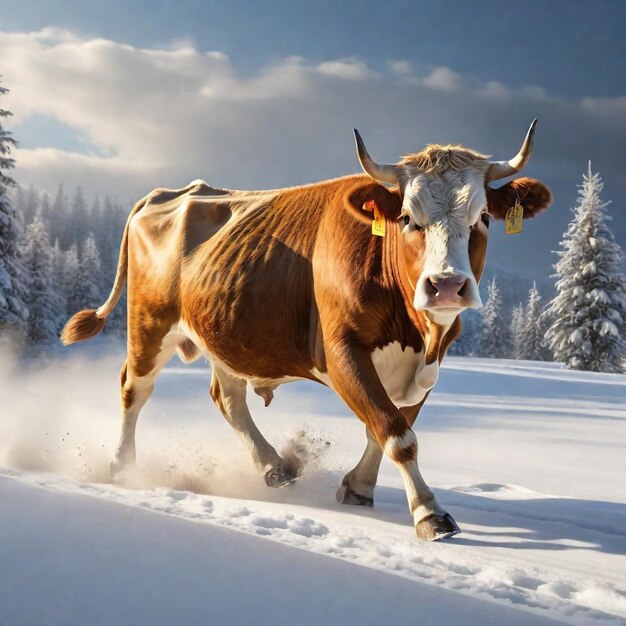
<point x="533" y="344"/>
<point x="19" y="203"/>
<point x="106" y="238"/>
<point x="496" y="340"/>
<point x="79" y="221"/>
<point x="467" y="344"/>
<point x="95" y="224"/>
<point x="13" y="278"/>
<point x="31" y="205"/>
<point x="588" y="331"/>
<point x="68" y="277"/>
<point x="60" y="223"/>
<point x="86" y="289"/>
<point x="45" y="213"/>
<point x="517" y="328"/>
<point x="59" y="272"/>
<point x="45" y="303"/>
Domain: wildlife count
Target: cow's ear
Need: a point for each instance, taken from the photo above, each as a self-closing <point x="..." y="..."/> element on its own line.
<point x="361" y="199"/>
<point x="533" y="195"/>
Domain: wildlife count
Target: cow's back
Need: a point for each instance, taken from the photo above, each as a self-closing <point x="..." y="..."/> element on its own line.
<point x="235" y="268"/>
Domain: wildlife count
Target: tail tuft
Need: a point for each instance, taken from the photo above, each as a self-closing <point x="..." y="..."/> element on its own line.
<point x="84" y="325"/>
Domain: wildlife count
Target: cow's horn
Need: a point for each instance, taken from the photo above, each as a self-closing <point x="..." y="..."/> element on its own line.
<point x="502" y="169"/>
<point x="382" y="173"/>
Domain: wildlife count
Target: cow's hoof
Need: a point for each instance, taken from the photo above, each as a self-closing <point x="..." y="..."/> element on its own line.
<point x="345" y="495"/>
<point x="120" y="472"/>
<point x="436" y="527"/>
<point x="280" y="476"/>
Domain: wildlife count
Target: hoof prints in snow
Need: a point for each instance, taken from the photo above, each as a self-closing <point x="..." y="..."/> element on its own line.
<point x="453" y="565"/>
<point x="305" y="526"/>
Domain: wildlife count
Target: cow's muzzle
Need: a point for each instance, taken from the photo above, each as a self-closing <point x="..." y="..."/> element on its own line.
<point x="447" y="291"/>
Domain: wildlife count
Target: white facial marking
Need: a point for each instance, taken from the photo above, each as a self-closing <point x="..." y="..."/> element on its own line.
<point x="445" y="206"/>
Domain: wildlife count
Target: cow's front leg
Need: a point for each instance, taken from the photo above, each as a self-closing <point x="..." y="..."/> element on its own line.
<point x="357" y="486"/>
<point x="355" y="379"/>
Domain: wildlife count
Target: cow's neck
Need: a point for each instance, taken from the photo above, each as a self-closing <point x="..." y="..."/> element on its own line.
<point x="436" y="334"/>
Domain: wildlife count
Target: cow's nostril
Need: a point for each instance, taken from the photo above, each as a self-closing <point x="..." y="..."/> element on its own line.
<point x="431" y="288"/>
<point x="463" y="290"/>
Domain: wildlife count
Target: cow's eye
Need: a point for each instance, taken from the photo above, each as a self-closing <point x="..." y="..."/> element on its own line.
<point x="406" y="219"/>
<point x="485" y="219"/>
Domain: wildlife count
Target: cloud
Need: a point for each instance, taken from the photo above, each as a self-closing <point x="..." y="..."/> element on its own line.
<point x="444" y="79"/>
<point x="351" y="69"/>
<point x="163" y="117"/>
<point x="402" y="68"/>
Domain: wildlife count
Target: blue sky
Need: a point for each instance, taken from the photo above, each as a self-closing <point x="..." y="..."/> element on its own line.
<point x="123" y="96"/>
<point x="573" y="48"/>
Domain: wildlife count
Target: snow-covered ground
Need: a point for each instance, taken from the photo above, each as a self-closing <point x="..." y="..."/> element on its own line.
<point x="528" y="458"/>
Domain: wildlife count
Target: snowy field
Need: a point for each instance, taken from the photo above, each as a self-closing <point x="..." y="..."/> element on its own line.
<point x="528" y="458"/>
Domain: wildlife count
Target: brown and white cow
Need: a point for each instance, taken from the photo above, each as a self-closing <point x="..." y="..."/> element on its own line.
<point x="274" y="286"/>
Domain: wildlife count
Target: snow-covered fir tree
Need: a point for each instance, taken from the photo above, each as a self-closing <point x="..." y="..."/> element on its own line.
<point x="79" y="221"/>
<point x="96" y="227"/>
<point x="105" y="236"/>
<point x="86" y="290"/>
<point x="496" y="339"/>
<point x="46" y="313"/>
<point x="67" y="277"/>
<point x="58" y="270"/>
<point x="19" y="201"/>
<point x="532" y="340"/>
<point x="588" y="330"/>
<point x="467" y="344"/>
<point x="13" y="278"/>
<point x="45" y="212"/>
<point x="517" y="328"/>
<point x="31" y="205"/>
<point x="60" y="225"/>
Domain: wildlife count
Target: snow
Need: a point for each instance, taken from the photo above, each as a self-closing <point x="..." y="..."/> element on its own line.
<point x="527" y="456"/>
<point x="127" y="566"/>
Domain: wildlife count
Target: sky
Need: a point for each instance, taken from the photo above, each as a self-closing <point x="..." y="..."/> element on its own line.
<point x="124" y="96"/>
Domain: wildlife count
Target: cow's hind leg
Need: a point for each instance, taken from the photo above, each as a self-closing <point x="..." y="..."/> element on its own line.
<point x="229" y="394"/>
<point x="146" y="357"/>
<point x="357" y="486"/>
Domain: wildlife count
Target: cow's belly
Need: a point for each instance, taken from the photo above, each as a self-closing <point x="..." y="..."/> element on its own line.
<point x="403" y="374"/>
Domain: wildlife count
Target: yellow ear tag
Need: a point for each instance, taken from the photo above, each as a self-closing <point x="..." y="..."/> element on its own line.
<point x="514" y="218"/>
<point x="378" y="223"/>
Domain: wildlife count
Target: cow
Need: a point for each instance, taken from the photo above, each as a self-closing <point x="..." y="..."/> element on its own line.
<point x="355" y="282"/>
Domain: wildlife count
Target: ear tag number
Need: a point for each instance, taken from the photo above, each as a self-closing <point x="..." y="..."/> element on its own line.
<point x="378" y="223"/>
<point x="514" y="218"/>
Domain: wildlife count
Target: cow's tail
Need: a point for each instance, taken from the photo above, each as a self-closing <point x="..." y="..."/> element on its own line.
<point x="89" y="322"/>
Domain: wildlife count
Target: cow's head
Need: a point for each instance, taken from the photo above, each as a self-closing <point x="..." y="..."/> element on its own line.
<point x="442" y="203"/>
